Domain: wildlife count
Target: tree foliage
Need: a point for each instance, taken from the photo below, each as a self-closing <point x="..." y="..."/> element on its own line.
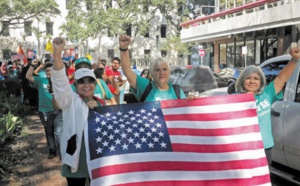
<point x="101" y="18"/>
<point x="16" y="12"/>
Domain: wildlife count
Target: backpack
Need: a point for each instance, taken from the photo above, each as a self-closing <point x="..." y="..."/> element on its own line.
<point x="149" y="88"/>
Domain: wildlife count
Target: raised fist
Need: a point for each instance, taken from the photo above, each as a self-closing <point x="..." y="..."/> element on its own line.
<point x="58" y="44"/>
<point x="35" y="62"/>
<point x="124" y="41"/>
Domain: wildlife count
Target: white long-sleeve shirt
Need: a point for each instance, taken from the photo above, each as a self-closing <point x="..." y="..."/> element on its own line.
<point x="75" y="116"/>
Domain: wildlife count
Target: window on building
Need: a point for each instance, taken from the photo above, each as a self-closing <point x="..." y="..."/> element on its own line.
<point x="179" y="8"/>
<point x="147" y="53"/>
<point x="27" y="28"/>
<point x="163" y="31"/>
<point x="288" y="30"/>
<point x="146" y="7"/>
<point x="6" y="54"/>
<point x="128" y="30"/>
<point x="109" y="4"/>
<point x="49" y="28"/>
<point x="5" y="28"/>
<point x="147" y="34"/>
<point x="88" y="4"/>
<point x="163" y="53"/>
<point x="272" y="32"/>
<point x="110" y="54"/>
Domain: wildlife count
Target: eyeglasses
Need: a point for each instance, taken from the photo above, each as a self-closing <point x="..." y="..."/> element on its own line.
<point x="48" y="70"/>
<point x="88" y="80"/>
<point x="116" y="63"/>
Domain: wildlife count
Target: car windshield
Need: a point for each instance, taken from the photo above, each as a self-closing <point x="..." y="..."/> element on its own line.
<point x="272" y="70"/>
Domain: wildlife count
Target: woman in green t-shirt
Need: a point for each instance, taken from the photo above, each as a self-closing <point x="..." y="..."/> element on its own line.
<point x="161" y="89"/>
<point x="252" y="80"/>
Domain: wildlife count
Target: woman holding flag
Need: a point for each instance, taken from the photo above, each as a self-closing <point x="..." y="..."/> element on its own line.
<point x="252" y="80"/>
<point x="77" y="113"/>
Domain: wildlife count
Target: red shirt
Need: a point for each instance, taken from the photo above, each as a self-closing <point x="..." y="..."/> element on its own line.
<point x="111" y="88"/>
<point x="112" y="72"/>
<point x="71" y="71"/>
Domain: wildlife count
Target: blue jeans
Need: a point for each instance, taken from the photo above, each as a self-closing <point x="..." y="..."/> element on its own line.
<point x="58" y="125"/>
<point x="52" y="122"/>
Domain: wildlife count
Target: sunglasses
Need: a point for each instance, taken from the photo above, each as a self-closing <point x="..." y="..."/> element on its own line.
<point x="88" y="80"/>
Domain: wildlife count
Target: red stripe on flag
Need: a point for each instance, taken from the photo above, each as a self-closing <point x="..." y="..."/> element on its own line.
<point x="214" y="132"/>
<point x="178" y="166"/>
<point x="212" y="116"/>
<point x="218" y="148"/>
<point x="236" y="98"/>
<point x="226" y="182"/>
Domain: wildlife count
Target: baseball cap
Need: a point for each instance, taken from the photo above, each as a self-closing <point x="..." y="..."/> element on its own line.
<point x="84" y="72"/>
<point x="9" y="66"/>
<point x="83" y="60"/>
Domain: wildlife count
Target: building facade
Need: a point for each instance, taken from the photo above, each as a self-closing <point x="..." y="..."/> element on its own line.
<point x="143" y="49"/>
<point x="246" y="32"/>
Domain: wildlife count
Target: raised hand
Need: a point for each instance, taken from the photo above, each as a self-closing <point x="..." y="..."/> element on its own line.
<point x="295" y="53"/>
<point x="58" y="44"/>
<point x="124" y="41"/>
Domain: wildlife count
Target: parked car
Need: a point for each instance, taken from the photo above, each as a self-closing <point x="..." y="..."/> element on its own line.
<point x="270" y="67"/>
<point x="227" y="76"/>
<point x="285" y="120"/>
<point x="189" y="78"/>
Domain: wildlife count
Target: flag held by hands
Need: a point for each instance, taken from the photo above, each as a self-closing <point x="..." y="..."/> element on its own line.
<point x="208" y="141"/>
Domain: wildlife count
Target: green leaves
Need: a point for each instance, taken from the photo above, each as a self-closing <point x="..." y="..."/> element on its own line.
<point x="8" y="125"/>
<point x="16" y="12"/>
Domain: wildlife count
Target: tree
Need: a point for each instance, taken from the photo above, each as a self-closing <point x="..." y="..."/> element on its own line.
<point x="101" y="18"/>
<point x="14" y="13"/>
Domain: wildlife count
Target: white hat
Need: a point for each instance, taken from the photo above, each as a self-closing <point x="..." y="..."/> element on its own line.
<point x="84" y="72"/>
<point x="9" y="66"/>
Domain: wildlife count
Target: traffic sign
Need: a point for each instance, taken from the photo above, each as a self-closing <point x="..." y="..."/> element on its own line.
<point x="201" y="52"/>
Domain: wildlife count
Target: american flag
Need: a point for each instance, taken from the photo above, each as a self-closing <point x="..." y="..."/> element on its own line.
<point x="209" y="141"/>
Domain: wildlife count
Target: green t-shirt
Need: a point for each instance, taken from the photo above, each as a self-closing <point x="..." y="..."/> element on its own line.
<point x="155" y="94"/>
<point x="82" y="171"/>
<point x="98" y="91"/>
<point x="264" y="103"/>
<point x="45" y="98"/>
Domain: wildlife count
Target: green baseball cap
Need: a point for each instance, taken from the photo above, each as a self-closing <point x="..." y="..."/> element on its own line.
<point x="83" y="60"/>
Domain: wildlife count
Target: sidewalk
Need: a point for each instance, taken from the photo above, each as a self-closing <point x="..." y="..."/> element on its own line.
<point x="37" y="169"/>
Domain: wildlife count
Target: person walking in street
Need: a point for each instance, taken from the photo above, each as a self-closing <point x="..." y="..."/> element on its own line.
<point x="76" y="107"/>
<point x="252" y="80"/>
<point x="50" y="118"/>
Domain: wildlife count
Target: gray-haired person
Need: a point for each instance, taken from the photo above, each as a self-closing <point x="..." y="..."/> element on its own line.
<point x="252" y="80"/>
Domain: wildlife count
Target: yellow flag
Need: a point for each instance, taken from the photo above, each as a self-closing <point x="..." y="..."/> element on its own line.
<point x="49" y="46"/>
<point x="89" y="56"/>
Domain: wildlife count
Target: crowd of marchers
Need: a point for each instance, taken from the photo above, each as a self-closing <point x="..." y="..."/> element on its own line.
<point x="69" y="91"/>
